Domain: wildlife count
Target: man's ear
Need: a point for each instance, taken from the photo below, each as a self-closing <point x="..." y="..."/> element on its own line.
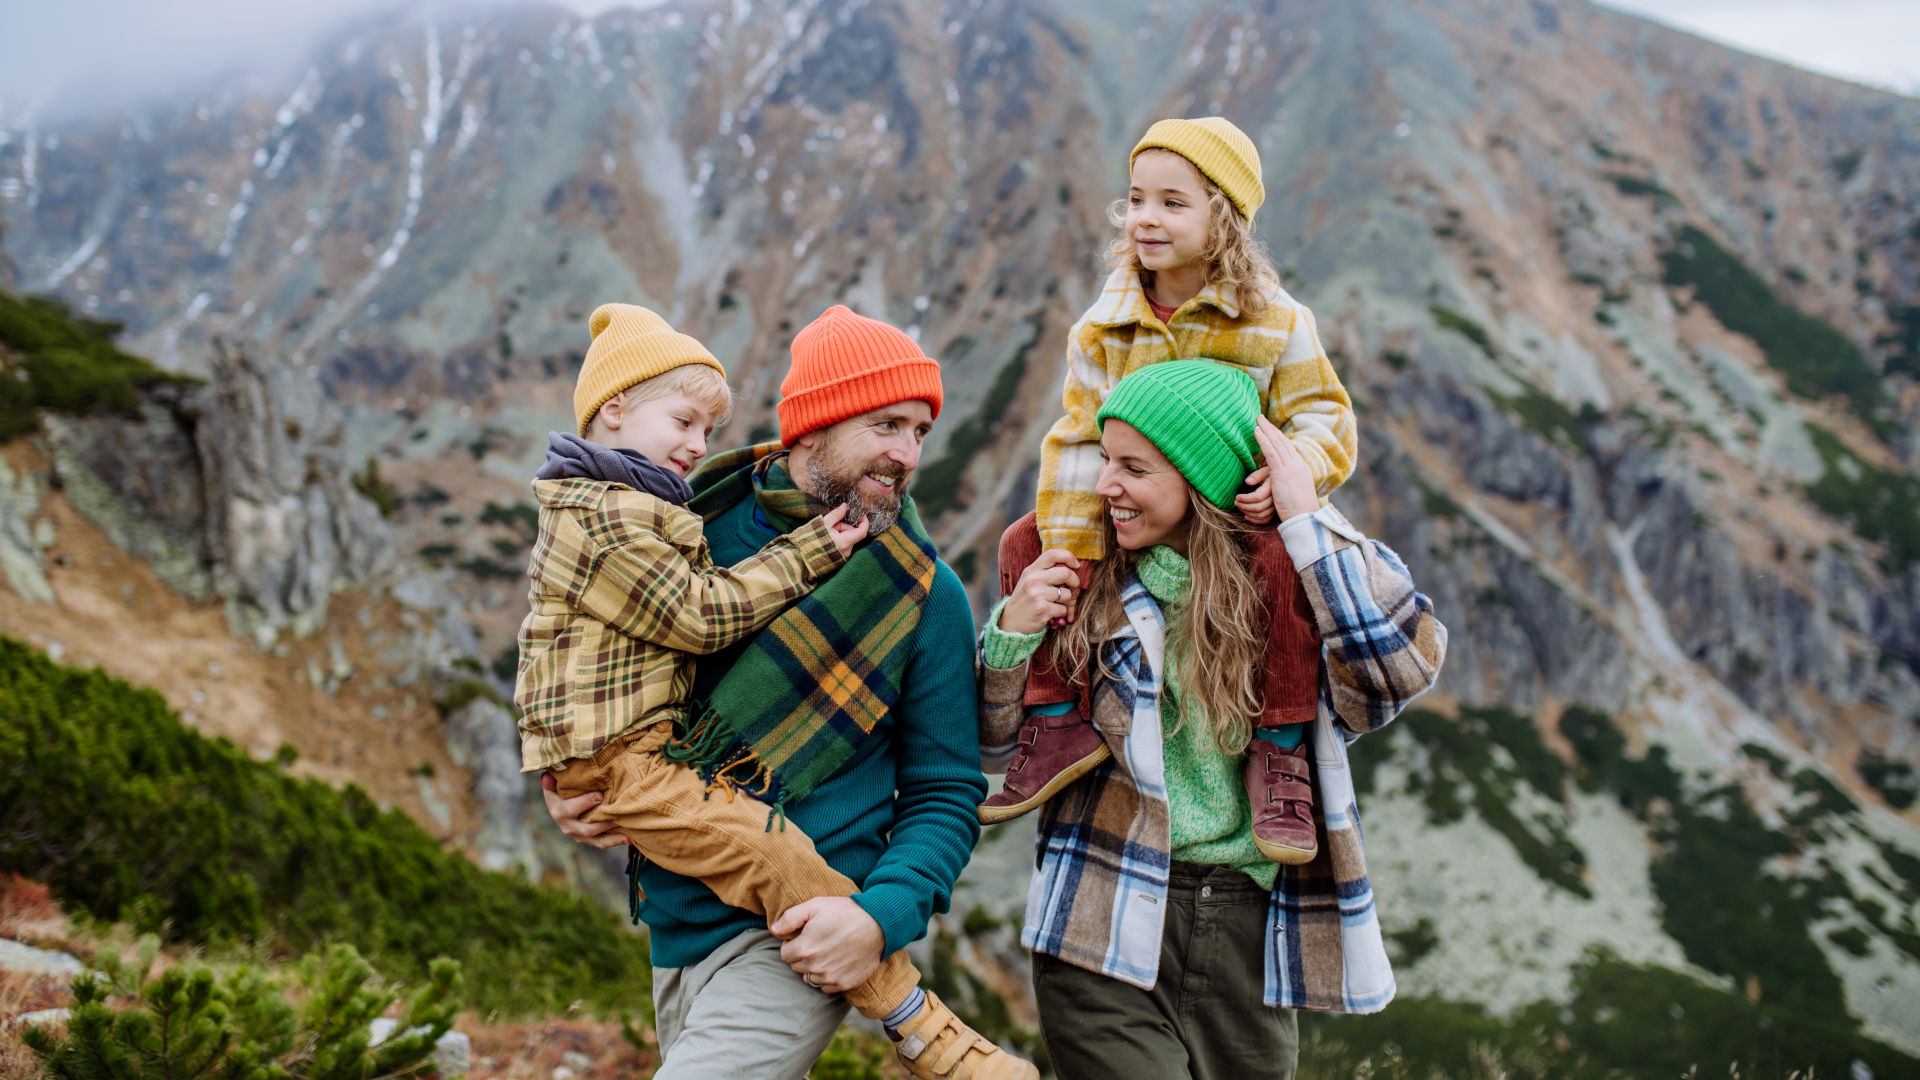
<point x="805" y="440"/>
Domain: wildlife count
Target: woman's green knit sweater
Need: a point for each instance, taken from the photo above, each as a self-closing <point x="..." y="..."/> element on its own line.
<point x="1211" y="820"/>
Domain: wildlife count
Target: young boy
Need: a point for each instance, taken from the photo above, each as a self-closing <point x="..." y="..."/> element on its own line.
<point x="624" y="595"/>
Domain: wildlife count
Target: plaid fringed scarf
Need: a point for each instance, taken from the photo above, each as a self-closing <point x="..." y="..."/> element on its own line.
<point x="796" y="704"/>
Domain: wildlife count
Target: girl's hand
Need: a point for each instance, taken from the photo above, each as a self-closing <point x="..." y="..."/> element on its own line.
<point x="1256" y="505"/>
<point x="844" y="536"/>
<point x="1043" y="593"/>
<point x="1289" y="478"/>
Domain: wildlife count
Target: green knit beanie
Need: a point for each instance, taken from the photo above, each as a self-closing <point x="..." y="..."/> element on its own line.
<point x="1201" y="415"/>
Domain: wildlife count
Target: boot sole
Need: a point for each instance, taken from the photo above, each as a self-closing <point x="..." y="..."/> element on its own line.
<point x="994" y="815"/>
<point x="1286" y="856"/>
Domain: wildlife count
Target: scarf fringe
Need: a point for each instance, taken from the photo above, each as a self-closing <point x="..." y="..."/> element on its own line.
<point x="727" y="763"/>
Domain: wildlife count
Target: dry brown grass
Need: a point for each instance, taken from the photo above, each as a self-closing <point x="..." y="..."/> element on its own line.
<point x="29" y="914"/>
<point x="588" y="1049"/>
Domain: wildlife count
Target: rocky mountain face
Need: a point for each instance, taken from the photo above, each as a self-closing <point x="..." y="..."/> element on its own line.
<point x="1632" y="322"/>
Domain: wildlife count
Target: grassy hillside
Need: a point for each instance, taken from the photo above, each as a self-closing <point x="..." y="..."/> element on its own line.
<point x="130" y="816"/>
<point x="65" y="363"/>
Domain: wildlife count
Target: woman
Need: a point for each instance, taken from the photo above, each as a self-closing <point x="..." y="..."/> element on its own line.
<point x="1164" y="943"/>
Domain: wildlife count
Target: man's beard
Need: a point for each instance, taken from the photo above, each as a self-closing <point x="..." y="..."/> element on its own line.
<point x="836" y="480"/>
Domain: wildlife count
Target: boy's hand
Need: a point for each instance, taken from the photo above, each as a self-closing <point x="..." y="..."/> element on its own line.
<point x="1256" y="505"/>
<point x="1043" y="594"/>
<point x="1290" y="478"/>
<point x="844" y="536"/>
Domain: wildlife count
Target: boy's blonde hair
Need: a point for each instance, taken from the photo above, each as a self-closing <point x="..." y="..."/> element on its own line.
<point x="1235" y="257"/>
<point x="697" y="381"/>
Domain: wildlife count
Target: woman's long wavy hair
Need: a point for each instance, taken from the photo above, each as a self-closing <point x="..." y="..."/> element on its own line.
<point x="1222" y="626"/>
<point x="1235" y="257"/>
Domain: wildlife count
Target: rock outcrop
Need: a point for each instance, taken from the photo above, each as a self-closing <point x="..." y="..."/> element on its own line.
<point x="243" y="488"/>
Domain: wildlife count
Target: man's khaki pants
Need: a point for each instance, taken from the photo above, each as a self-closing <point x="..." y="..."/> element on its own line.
<point x="723" y="842"/>
<point x="741" y="1014"/>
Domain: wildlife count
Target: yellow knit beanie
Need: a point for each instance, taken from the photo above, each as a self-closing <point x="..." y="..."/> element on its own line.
<point x="630" y="345"/>
<point x="1221" y="152"/>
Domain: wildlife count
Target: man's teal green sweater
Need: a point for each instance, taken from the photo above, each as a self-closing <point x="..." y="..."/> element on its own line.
<point x="898" y="818"/>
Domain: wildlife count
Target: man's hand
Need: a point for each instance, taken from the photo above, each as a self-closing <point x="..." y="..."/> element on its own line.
<point x="566" y="814"/>
<point x="831" y="942"/>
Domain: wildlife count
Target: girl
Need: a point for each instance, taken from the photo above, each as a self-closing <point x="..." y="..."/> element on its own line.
<point x="1164" y="944"/>
<point x="1189" y="280"/>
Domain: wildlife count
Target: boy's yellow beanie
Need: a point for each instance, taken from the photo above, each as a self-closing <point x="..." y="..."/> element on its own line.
<point x="630" y="345"/>
<point x="1221" y="152"/>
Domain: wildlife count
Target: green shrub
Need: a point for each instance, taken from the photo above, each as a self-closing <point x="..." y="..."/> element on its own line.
<point x="64" y="363"/>
<point x="522" y="518"/>
<point x="1905" y="339"/>
<point x="1882" y="504"/>
<point x="190" y="1021"/>
<point x="370" y="483"/>
<point x="1466" y="774"/>
<point x="853" y="1055"/>
<point x="1449" y="319"/>
<point x="1636" y="187"/>
<point x="979" y="1004"/>
<point x="1607" y="1031"/>
<point x="1816" y="359"/>
<point x="128" y="815"/>
<point x="1894" y="780"/>
<point x="1544" y="415"/>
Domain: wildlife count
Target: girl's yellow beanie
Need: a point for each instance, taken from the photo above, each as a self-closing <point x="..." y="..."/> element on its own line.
<point x="1221" y="152"/>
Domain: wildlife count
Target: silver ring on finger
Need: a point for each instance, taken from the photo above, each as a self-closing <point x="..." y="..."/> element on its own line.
<point x="810" y="981"/>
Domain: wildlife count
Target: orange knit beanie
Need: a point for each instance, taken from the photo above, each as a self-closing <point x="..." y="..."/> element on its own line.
<point x="846" y="364"/>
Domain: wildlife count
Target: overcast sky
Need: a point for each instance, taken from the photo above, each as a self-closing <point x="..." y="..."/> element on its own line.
<point x="1876" y="42"/>
<point x="76" y="50"/>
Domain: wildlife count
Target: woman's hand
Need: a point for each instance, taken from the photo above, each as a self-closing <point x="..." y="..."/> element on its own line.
<point x="1043" y="593"/>
<point x="845" y="536"/>
<point x="1289" y="477"/>
<point x="566" y="814"/>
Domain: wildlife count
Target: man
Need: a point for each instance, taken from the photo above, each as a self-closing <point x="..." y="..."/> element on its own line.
<point x="853" y="716"/>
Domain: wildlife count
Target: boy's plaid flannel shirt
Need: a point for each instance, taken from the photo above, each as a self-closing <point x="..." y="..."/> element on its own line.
<point x="624" y="597"/>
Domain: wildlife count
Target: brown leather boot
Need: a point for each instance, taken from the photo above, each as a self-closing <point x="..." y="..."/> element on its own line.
<point x="1051" y="752"/>
<point x="1281" y="789"/>
<point x="937" y="1045"/>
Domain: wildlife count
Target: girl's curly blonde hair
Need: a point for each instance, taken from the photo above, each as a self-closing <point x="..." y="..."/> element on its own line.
<point x="1236" y="259"/>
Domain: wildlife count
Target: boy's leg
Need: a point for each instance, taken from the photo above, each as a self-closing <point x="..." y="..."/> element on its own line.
<point x="1056" y="745"/>
<point x="721" y="840"/>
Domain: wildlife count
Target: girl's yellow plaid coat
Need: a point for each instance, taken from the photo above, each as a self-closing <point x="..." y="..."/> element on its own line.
<point x="1120" y="334"/>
